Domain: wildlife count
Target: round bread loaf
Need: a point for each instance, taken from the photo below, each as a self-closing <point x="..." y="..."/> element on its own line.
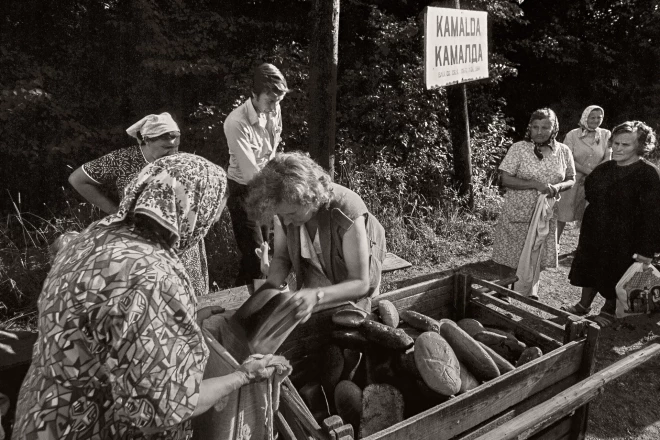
<point x="437" y="364"/>
<point x="471" y="326"/>
<point x="348" y="401"/>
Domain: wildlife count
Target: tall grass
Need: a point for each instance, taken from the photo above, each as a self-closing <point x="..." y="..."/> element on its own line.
<point x="426" y="234"/>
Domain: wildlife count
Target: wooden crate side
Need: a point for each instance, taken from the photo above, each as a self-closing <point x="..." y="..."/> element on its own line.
<point x="422" y="287"/>
<point x="550" y="328"/>
<point x="561" y="430"/>
<point x="464" y="412"/>
<point x="518" y="409"/>
<point x="490" y="317"/>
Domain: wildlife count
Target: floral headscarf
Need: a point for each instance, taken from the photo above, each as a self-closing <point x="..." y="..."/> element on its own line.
<point x="543" y="113"/>
<point x="182" y="193"/>
<point x="583" y="122"/>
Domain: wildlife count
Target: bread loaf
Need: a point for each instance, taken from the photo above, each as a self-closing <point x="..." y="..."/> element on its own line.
<point x="420" y="321"/>
<point x="437" y="363"/>
<point x="471" y="326"/>
<point x="468" y="381"/>
<point x="382" y="407"/>
<point x="348" y="401"/>
<point x="502" y="364"/>
<point x="386" y="336"/>
<point x="528" y="355"/>
<point x="349" y="317"/>
<point x="469" y="351"/>
<point x="349" y="339"/>
<point x="388" y="313"/>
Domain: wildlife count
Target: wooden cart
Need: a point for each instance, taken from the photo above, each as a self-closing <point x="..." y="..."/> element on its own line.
<point x="538" y="400"/>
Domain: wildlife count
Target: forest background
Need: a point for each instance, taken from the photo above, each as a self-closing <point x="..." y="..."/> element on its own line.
<point x="75" y="73"/>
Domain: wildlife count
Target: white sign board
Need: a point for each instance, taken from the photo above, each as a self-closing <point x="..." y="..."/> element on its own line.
<point x="456" y="46"/>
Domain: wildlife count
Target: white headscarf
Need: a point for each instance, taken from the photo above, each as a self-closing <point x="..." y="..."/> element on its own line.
<point x="583" y="122"/>
<point x="153" y="126"/>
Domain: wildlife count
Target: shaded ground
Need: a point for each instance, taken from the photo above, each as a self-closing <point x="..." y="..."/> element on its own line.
<point x="629" y="407"/>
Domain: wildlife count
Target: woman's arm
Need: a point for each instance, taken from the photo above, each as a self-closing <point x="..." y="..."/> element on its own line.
<point x="355" y="244"/>
<point x="212" y="390"/>
<point x="516" y="183"/>
<point x="90" y="190"/>
<point x="280" y="265"/>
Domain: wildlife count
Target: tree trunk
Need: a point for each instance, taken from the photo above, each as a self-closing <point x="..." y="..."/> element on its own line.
<point x="323" y="82"/>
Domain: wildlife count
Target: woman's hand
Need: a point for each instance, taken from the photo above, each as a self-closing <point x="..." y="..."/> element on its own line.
<point x="256" y="368"/>
<point x="549" y="190"/>
<point x="646" y="261"/>
<point x="306" y="300"/>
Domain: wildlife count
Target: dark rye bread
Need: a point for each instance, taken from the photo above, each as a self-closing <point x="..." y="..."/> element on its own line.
<point x="392" y="338"/>
<point x="382" y="407"/>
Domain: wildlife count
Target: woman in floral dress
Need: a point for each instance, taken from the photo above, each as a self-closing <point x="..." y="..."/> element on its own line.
<point x="537" y="165"/>
<point x="102" y="181"/>
<point x="119" y="352"/>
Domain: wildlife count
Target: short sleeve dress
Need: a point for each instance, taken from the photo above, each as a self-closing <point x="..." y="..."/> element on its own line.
<point x="518" y="207"/>
<point x="571" y="205"/>
<point x="113" y="172"/>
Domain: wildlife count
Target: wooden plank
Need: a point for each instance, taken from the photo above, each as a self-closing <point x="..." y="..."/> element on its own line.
<point x="393" y="262"/>
<point x="466" y="411"/>
<point x="550" y="327"/>
<point x="462" y="294"/>
<point x="581" y="417"/>
<point x="552" y="410"/>
<point x="414" y="289"/>
<point x="523" y="299"/>
<point x="16" y="348"/>
<point x="426" y="277"/>
<point x="558" y="431"/>
<point x="520" y="408"/>
<point x="490" y="317"/>
<point x="230" y="299"/>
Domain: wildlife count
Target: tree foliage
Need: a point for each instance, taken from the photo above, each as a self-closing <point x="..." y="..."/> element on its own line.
<point x="75" y="73"/>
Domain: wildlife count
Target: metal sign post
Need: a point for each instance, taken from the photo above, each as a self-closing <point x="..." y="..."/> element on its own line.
<point x="456" y="51"/>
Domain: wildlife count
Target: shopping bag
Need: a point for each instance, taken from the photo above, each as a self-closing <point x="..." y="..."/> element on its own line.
<point x="638" y="291"/>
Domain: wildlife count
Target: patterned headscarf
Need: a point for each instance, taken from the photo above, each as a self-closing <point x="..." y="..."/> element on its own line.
<point x="543" y="113"/>
<point x="182" y="193"/>
<point x="583" y="122"/>
<point x="153" y="126"/>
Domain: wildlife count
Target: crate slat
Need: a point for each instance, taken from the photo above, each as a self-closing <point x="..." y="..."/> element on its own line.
<point x="455" y="416"/>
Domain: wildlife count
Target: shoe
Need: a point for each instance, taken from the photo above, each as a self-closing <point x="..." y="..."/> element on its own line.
<point x="604" y="319"/>
<point x="501" y="297"/>
<point x="577" y="309"/>
<point x="534" y="297"/>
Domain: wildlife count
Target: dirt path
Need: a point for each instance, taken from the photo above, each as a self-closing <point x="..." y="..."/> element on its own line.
<point x="629" y="408"/>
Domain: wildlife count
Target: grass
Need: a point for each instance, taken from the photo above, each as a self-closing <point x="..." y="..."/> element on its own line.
<point x="424" y="235"/>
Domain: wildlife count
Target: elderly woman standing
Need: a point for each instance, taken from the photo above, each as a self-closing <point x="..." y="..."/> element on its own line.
<point x="621" y="220"/>
<point x="590" y="146"/>
<point x="102" y="181"/>
<point x="119" y="353"/>
<point x="324" y="232"/>
<point x="537" y="165"/>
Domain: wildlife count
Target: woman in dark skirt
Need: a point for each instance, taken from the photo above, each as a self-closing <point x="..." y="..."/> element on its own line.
<point x="621" y="222"/>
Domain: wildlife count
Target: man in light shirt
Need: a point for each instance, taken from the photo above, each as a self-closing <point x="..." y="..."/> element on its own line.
<point x="253" y="132"/>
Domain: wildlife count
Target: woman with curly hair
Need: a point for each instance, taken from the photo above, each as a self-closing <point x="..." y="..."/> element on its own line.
<point x="620" y="223"/>
<point x="323" y="231"/>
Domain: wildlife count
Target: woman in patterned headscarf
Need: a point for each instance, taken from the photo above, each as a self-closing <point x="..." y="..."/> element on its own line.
<point x="102" y="181"/>
<point x="589" y="145"/>
<point x="537" y="165"/>
<point x="119" y="353"/>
